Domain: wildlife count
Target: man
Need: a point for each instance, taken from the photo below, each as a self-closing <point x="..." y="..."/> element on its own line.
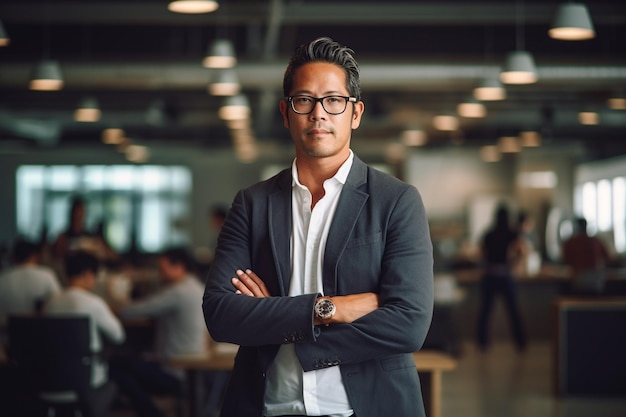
<point x="81" y="269"/>
<point x="27" y="285"/>
<point x="333" y="262"/>
<point x="586" y="257"/>
<point x="180" y="330"/>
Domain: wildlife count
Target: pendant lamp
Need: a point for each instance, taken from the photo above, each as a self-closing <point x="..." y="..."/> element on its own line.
<point x="87" y="111"/>
<point x="235" y="107"/>
<point x="225" y="83"/>
<point x="572" y="23"/>
<point x="193" y="6"/>
<point x="519" y="67"/>
<point x="490" y="89"/>
<point x="4" y="37"/>
<point x="47" y="76"/>
<point x="221" y="54"/>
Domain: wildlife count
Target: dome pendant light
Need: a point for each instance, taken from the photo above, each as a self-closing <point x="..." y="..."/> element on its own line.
<point x="572" y="23"/>
<point x="519" y="67"/>
<point x="4" y="37"/>
<point x="87" y="111"/>
<point x="47" y="76"/>
<point x="193" y="6"/>
<point x="221" y="54"/>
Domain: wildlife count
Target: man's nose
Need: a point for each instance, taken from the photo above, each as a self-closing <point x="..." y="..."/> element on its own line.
<point x="318" y="111"/>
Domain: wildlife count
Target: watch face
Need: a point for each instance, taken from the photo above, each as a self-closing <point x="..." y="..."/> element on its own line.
<point x="324" y="309"/>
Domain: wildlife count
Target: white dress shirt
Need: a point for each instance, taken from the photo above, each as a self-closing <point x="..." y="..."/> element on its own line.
<point x="101" y="321"/>
<point x="22" y="286"/>
<point x="290" y="390"/>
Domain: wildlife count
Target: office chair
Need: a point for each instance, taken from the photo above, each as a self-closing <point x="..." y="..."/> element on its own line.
<point x="52" y="355"/>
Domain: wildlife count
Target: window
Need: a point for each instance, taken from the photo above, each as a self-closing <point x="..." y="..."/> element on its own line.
<point x="140" y="207"/>
<point x="619" y="213"/>
<point x="589" y="206"/>
<point x="605" y="221"/>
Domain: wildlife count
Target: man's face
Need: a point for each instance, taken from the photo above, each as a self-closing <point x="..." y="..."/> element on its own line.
<point x="319" y="134"/>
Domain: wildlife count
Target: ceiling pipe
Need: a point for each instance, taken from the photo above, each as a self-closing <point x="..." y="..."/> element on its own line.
<point x="262" y="75"/>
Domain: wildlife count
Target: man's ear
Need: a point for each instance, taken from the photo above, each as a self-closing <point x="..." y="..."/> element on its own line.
<point x="359" y="108"/>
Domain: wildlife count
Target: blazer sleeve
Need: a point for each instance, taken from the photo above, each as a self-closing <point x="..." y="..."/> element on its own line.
<point x="405" y="288"/>
<point x="247" y="321"/>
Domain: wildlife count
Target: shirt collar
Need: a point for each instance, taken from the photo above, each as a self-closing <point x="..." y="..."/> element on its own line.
<point x="341" y="175"/>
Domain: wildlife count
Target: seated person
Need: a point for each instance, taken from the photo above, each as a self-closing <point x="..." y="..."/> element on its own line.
<point x="24" y="287"/>
<point x="81" y="269"/>
<point x="180" y="330"/>
<point x="27" y="284"/>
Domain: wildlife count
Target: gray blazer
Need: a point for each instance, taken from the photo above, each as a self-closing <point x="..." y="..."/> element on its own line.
<point x="379" y="241"/>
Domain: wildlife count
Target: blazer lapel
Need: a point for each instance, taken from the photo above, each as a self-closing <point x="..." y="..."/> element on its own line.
<point x="279" y="225"/>
<point x="349" y="208"/>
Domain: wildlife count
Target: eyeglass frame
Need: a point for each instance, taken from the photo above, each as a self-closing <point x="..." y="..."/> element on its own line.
<point x="349" y="99"/>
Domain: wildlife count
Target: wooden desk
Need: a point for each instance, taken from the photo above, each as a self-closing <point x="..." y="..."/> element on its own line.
<point x="430" y="365"/>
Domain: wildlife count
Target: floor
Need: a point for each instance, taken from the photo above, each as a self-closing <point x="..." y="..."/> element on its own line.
<point x="504" y="383"/>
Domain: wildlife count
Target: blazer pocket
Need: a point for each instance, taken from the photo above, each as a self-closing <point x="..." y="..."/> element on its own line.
<point x="364" y="240"/>
<point x="397" y="362"/>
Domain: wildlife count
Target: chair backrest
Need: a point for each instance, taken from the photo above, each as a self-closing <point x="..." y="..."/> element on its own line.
<point x="53" y="351"/>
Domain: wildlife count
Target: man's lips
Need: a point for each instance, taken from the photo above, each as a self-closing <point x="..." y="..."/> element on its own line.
<point x="315" y="132"/>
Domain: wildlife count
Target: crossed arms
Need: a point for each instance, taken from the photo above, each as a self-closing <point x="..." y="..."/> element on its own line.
<point x="349" y="307"/>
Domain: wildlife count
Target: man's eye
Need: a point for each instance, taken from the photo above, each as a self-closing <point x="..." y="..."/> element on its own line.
<point x="333" y="99"/>
<point x="303" y="100"/>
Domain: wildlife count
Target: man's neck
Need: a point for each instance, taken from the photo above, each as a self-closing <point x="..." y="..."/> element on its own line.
<point x="312" y="172"/>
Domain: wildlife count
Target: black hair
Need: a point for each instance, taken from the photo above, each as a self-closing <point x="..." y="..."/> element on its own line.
<point x="580" y="224"/>
<point x="79" y="262"/>
<point x="23" y="250"/>
<point x="324" y="50"/>
<point x="76" y="203"/>
<point x="179" y="255"/>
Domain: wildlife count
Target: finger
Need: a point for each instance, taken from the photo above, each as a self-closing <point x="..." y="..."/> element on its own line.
<point x="259" y="282"/>
<point x="250" y="283"/>
<point x="241" y="287"/>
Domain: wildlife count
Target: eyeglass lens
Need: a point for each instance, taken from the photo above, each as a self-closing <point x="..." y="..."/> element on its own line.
<point x="331" y="104"/>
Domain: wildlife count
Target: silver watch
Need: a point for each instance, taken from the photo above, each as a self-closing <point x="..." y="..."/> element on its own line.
<point x="324" y="308"/>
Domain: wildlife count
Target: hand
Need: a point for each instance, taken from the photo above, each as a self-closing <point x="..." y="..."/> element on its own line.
<point x="354" y="306"/>
<point x="248" y="283"/>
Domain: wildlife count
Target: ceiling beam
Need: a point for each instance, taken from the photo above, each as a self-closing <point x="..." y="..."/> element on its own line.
<point x="328" y="13"/>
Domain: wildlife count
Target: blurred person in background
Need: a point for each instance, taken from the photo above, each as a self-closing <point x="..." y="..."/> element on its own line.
<point x="180" y="331"/>
<point x="586" y="256"/>
<point x="81" y="269"/>
<point x="528" y="261"/>
<point x="502" y="248"/>
<point x="77" y="237"/>
<point x="27" y="284"/>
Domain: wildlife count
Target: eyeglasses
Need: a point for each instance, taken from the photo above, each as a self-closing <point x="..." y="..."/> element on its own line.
<point x="331" y="104"/>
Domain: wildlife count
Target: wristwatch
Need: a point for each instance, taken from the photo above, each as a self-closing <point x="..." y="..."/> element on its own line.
<point x="324" y="309"/>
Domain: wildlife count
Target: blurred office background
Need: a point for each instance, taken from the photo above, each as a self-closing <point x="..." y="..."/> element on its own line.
<point x="157" y="146"/>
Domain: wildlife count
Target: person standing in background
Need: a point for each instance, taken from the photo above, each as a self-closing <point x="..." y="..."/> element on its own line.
<point x="323" y="274"/>
<point x="501" y="250"/>
<point x="586" y="256"/>
<point x="77" y="237"/>
<point x="528" y="261"/>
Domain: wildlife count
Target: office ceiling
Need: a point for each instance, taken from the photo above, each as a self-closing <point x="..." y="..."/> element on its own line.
<point x="417" y="58"/>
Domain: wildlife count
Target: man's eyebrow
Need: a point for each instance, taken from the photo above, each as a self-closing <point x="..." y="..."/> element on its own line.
<point x="325" y="93"/>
